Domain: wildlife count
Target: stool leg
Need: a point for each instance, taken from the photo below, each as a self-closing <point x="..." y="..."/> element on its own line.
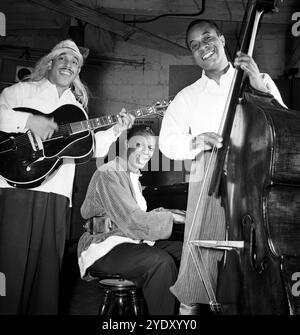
<point x="106" y="302"/>
<point x="121" y="302"/>
<point x="135" y="302"/>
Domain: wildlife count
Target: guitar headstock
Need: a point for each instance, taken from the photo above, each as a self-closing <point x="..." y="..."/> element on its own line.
<point x="156" y="109"/>
<point x="160" y="107"/>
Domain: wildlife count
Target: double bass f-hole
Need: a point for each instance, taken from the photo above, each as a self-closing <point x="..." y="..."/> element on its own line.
<point x="248" y="224"/>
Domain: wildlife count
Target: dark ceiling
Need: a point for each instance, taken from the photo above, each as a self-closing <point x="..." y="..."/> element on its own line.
<point x="156" y="24"/>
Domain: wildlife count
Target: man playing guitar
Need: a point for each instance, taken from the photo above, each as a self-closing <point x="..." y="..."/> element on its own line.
<point x="33" y="221"/>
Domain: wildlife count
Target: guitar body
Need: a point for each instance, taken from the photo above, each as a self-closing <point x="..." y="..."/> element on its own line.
<point x="26" y="161"/>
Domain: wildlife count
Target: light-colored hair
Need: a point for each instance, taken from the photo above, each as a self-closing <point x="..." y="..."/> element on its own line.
<point x="42" y="68"/>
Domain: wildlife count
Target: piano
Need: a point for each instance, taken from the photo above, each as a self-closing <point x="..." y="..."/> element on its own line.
<point x="168" y="196"/>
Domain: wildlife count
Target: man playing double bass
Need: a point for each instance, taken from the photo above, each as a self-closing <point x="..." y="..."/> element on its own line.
<point x="189" y="129"/>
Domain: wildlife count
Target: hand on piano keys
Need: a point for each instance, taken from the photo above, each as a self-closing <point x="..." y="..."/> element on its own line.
<point x="178" y="214"/>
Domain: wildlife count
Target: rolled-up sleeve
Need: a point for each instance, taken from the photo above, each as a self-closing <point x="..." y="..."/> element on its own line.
<point x="103" y="141"/>
<point x="272" y="88"/>
<point x="175" y="138"/>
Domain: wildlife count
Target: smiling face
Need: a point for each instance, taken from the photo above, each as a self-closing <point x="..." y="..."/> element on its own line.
<point x="207" y="47"/>
<point x="140" y="149"/>
<point x="64" y="69"/>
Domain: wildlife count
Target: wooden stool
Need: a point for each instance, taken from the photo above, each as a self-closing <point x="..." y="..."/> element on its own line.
<point x="120" y="297"/>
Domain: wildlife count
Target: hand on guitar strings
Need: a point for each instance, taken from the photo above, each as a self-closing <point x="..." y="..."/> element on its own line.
<point x="206" y="141"/>
<point x="247" y="63"/>
<point x="125" y="121"/>
<point x="41" y="126"/>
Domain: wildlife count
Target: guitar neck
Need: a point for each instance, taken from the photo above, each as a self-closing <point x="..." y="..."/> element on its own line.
<point x="91" y="124"/>
<point x="107" y="120"/>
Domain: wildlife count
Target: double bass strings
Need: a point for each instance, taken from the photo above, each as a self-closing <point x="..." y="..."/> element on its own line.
<point x="199" y="216"/>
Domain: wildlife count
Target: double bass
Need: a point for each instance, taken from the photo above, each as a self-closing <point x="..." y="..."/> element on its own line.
<point x="257" y="175"/>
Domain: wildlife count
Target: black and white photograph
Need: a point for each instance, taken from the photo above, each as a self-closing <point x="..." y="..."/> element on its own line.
<point x="149" y="161"/>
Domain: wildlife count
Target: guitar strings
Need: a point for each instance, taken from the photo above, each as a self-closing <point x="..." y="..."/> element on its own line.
<point x="65" y="130"/>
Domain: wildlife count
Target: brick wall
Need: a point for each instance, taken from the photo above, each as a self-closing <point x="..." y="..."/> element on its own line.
<point x="131" y="86"/>
<point x="269" y="53"/>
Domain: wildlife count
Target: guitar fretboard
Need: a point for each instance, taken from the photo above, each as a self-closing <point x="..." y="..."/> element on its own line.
<point x="107" y="120"/>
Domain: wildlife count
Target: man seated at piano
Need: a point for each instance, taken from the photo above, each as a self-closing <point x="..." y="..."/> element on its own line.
<point x="128" y="240"/>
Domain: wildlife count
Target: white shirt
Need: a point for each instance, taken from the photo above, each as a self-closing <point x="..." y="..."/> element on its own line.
<point x="197" y="109"/>
<point x="134" y="177"/>
<point x="43" y="96"/>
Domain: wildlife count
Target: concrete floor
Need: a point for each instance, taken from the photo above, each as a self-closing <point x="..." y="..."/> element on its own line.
<point x="77" y="297"/>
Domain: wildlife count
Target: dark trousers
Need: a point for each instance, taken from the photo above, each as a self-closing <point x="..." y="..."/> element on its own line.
<point x="152" y="268"/>
<point x="32" y="238"/>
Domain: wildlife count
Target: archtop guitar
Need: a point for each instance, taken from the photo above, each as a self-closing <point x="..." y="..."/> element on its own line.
<point x="26" y="160"/>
